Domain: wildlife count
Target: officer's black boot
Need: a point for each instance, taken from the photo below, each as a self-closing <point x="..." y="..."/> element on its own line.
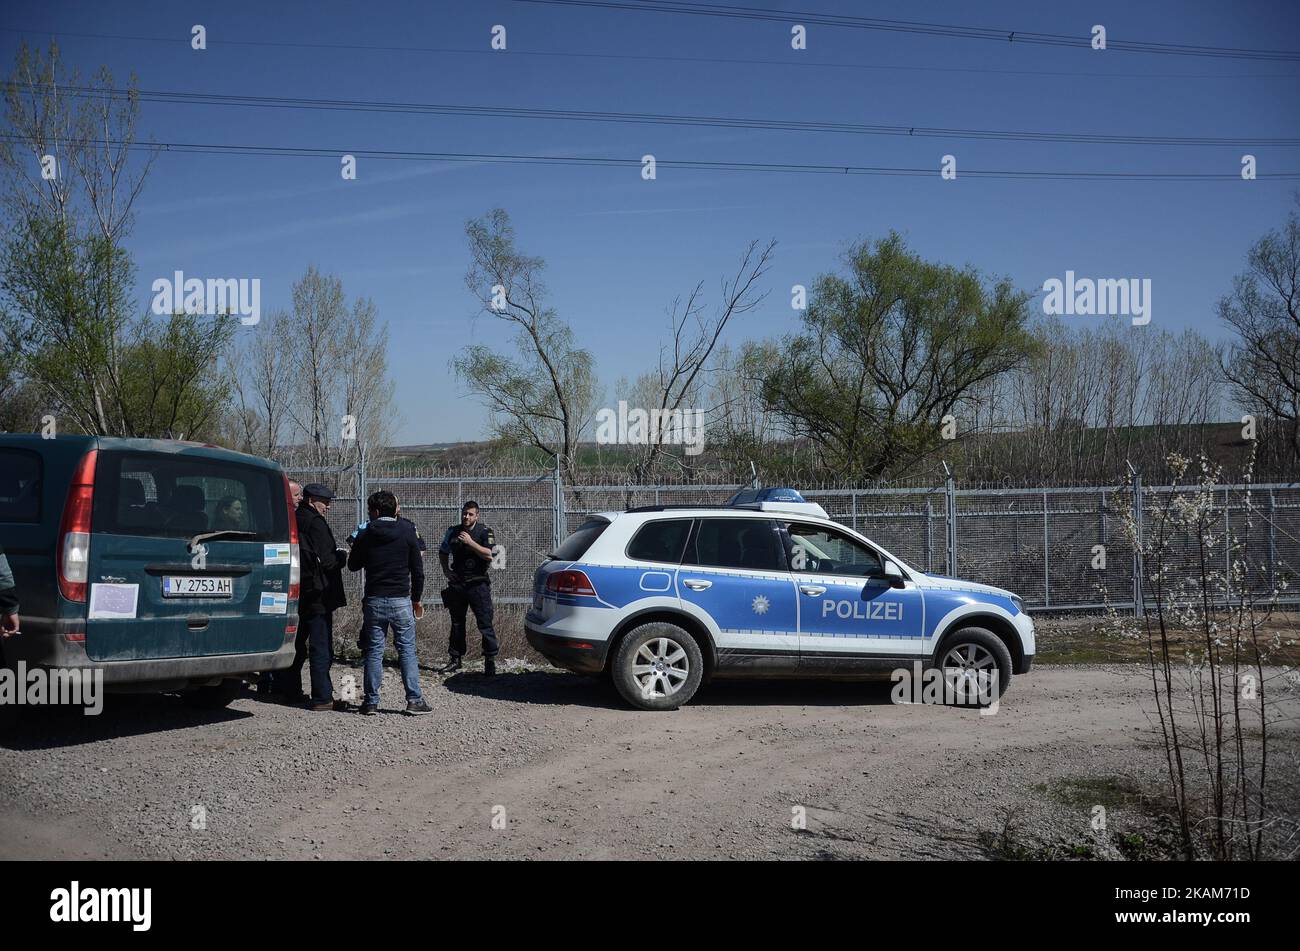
<point x="489" y="666"/>
<point x="452" y="665"/>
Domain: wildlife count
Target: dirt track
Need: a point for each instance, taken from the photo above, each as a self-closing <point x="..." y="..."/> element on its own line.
<point x="576" y="773"/>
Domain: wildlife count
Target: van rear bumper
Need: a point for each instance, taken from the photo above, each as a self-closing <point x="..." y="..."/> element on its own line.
<point x="40" y="648"/>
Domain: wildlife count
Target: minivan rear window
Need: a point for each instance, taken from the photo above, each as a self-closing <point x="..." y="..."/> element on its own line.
<point x="20" y="486"/>
<point x="164" y="495"/>
<point x="576" y="545"/>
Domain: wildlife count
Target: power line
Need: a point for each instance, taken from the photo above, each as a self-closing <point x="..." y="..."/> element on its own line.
<point x="799" y="62"/>
<point x="695" y="164"/>
<point x="724" y="122"/>
<point x="927" y="29"/>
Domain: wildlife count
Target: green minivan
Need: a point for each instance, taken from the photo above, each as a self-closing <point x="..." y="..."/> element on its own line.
<point x="168" y="566"/>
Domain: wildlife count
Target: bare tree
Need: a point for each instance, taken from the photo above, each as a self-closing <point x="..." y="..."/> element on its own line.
<point x="1264" y="310"/>
<point x="366" y="398"/>
<point x="262" y="371"/>
<point x="680" y="377"/>
<point x="543" y="397"/>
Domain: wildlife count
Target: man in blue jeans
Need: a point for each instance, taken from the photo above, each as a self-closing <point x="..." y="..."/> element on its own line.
<point x="388" y="548"/>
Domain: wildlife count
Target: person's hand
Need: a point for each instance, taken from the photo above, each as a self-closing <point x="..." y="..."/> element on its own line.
<point x="418" y="609"/>
<point x="464" y="538"/>
<point x="9" y="625"/>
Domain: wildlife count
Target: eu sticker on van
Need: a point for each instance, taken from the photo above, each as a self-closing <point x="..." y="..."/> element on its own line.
<point x="275" y="554"/>
<point x="273" y="603"/>
<point x="113" y="600"/>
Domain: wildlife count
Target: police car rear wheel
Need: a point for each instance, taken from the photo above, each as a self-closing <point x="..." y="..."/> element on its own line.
<point x="972" y="659"/>
<point x="657" y="666"/>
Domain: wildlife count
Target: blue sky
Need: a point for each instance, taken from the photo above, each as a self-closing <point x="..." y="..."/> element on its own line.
<point x="619" y="248"/>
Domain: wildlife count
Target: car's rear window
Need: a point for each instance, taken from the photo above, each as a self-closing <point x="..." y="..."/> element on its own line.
<point x="170" y="496"/>
<point x="20" y="486"/>
<point x="576" y="545"/>
<point x="737" y="543"/>
<point x="661" y="540"/>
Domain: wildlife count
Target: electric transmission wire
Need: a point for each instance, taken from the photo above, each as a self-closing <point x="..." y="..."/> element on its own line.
<point x="798" y="63"/>
<point x="731" y="11"/>
<point x="699" y="164"/>
<point x="646" y="118"/>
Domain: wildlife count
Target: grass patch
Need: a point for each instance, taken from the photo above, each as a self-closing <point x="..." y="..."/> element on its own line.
<point x="1113" y="792"/>
<point x="1083" y="640"/>
<point x="1148" y="834"/>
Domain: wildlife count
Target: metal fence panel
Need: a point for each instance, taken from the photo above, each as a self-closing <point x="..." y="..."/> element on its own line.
<point x="1041" y="543"/>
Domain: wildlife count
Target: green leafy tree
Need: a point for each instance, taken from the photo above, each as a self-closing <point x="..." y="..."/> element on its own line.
<point x="887" y="350"/>
<point x="66" y="278"/>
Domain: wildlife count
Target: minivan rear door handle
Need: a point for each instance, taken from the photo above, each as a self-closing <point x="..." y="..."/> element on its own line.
<point x="812" y="590"/>
<point x="697" y="584"/>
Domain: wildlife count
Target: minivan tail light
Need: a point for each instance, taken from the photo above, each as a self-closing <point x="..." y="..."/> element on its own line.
<point x="295" y="556"/>
<point x="570" y="581"/>
<point x="73" y="552"/>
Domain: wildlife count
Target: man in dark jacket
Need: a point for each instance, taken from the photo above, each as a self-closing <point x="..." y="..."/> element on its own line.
<point x="322" y="593"/>
<point x="8" y="599"/>
<point x="466" y="556"/>
<point x="388" y="548"/>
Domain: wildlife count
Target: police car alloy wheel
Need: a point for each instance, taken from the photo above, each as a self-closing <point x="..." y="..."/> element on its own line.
<point x="658" y="666"/>
<point x="972" y="658"/>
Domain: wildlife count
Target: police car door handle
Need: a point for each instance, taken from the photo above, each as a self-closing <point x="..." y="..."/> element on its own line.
<point x="812" y="590"/>
<point x="697" y="584"/>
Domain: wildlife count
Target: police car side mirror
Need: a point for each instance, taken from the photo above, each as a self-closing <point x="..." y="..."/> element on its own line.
<point x="893" y="574"/>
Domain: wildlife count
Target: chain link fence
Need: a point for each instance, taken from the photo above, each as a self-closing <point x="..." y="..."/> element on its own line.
<point x="1041" y="543"/>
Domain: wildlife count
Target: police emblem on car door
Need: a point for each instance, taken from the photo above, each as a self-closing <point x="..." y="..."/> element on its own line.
<point x="734" y="571"/>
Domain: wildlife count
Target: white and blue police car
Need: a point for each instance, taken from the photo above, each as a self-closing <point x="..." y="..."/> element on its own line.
<point x="664" y="598"/>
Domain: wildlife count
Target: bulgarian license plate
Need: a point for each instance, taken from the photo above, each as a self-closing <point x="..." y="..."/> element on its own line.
<point x="196" y="586"/>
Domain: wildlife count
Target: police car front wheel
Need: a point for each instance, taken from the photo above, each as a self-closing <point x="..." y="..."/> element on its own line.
<point x="976" y="666"/>
<point x="658" y="666"/>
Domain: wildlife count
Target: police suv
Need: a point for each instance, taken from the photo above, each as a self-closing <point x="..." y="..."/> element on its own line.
<point x="664" y="598"/>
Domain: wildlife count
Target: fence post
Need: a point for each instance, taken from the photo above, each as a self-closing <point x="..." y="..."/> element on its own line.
<point x="929" y="534"/>
<point x="1047" y="578"/>
<point x="558" y="521"/>
<point x="951" y="491"/>
<point x="362" y="484"/>
<point x="1272" y="538"/>
<point x="1227" y="544"/>
<point x="1139" y="608"/>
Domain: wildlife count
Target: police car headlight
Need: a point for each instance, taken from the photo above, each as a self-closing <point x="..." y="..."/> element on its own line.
<point x="1020" y="605"/>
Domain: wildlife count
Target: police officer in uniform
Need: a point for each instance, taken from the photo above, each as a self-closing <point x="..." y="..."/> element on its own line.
<point x="466" y="557"/>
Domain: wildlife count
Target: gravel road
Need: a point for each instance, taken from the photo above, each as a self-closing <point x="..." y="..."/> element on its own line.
<point x="541" y="763"/>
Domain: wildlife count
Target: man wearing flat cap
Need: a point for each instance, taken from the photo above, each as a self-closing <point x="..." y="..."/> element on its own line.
<point x="322" y="593"/>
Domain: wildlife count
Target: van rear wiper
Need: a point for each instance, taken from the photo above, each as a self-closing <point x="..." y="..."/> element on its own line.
<point x="205" y="536"/>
